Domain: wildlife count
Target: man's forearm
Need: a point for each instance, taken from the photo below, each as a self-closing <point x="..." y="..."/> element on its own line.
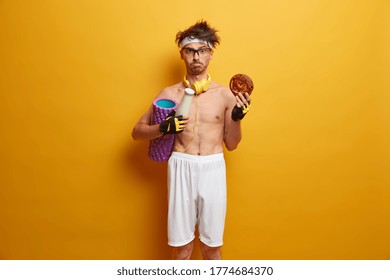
<point x="146" y="132"/>
<point x="233" y="135"/>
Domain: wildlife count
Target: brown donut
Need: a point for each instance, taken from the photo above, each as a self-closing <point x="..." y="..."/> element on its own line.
<point x="241" y="83"/>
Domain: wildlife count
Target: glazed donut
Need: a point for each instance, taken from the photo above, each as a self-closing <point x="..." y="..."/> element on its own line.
<point x="241" y="83"/>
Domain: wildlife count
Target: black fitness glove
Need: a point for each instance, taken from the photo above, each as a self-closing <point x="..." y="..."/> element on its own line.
<point x="238" y="113"/>
<point x="172" y="124"/>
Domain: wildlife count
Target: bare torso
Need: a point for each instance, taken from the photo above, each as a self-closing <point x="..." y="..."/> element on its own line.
<point x="204" y="134"/>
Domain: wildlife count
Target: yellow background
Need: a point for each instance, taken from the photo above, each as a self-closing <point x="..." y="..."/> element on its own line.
<point x="310" y="179"/>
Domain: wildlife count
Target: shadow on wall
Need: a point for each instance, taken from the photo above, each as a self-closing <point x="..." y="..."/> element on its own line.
<point x="154" y="222"/>
<point x="153" y="175"/>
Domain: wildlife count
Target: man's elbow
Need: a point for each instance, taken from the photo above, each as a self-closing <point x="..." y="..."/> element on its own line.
<point x="231" y="147"/>
<point x="232" y="143"/>
<point x="134" y="134"/>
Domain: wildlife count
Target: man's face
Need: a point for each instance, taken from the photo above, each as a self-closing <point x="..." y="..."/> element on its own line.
<point x="196" y="56"/>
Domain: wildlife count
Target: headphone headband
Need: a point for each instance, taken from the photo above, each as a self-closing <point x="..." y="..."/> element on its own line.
<point x="199" y="86"/>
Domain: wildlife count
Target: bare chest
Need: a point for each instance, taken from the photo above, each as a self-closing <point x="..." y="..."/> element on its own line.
<point x="207" y="109"/>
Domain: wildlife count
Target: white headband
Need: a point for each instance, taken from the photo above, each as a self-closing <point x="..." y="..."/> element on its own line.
<point x="188" y="40"/>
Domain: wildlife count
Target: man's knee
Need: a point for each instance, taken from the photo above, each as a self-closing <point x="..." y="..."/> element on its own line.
<point x="183" y="252"/>
<point x="211" y="253"/>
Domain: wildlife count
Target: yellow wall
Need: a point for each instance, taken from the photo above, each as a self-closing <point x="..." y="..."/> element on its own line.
<point x="310" y="180"/>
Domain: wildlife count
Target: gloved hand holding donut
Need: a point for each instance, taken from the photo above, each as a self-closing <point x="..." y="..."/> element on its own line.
<point x="241" y="86"/>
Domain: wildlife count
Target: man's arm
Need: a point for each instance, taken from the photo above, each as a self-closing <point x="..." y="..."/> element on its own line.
<point x="143" y="130"/>
<point x="233" y="134"/>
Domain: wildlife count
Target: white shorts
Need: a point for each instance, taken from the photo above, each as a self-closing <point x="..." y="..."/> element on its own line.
<point x="196" y="196"/>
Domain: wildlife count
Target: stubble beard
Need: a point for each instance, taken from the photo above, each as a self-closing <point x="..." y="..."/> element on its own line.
<point x="197" y="69"/>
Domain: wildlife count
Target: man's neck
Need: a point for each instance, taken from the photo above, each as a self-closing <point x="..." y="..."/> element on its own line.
<point x="193" y="78"/>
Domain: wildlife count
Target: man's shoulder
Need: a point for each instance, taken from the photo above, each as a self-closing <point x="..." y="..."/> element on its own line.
<point x="222" y="90"/>
<point x="174" y="87"/>
<point x="220" y="86"/>
<point x="171" y="90"/>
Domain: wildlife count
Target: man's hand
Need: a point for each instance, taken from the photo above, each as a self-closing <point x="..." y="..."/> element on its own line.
<point x="173" y="124"/>
<point x="242" y="107"/>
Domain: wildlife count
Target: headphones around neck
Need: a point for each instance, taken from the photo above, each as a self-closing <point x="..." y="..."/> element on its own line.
<point x="198" y="86"/>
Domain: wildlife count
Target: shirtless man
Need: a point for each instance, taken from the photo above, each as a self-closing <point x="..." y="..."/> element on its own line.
<point x="196" y="168"/>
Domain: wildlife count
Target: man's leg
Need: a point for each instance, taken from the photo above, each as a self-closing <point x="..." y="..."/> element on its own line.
<point x="210" y="253"/>
<point x="212" y="206"/>
<point x="181" y="206"/>
<point x="183" y="252"/>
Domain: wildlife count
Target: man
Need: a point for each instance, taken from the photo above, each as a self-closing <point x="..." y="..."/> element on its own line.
<point x="196" y="168"/>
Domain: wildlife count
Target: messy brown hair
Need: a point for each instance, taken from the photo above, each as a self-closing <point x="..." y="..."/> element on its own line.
<point x="201" y="30"/>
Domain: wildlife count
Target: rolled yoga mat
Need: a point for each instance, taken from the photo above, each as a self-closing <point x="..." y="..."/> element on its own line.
<point x="160" y="149"/>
